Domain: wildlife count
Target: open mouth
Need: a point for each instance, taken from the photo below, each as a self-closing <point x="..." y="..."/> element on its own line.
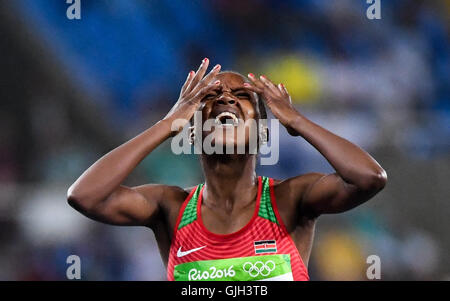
<point x="226" y="119"/>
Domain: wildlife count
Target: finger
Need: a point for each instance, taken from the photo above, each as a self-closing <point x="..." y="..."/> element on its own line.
<point x="268" y="83"/>
<point x="206" y="80"/>
<point x="263" y="89"/>
<point x="285" y="92"/>
<point x="188" y="81"/>
<point x="267" y="90"/>
<point x="282" y="89"/>
<point x="211" y="75"/>
<point x="253" y="88"/>
<point x="199" y="74"/>
<point x="255" y="81"/>
<point x="206" y="89"/>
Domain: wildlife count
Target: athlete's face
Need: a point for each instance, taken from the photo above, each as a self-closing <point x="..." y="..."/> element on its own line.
<point x="234" y="111"/>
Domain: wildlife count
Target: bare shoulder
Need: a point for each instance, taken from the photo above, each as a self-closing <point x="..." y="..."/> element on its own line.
<point x="169" y="199"/>
<point x="295" y="187"/>
<point x="289" y="192"/>
<point x="166" y="195"/>
<point x="188" y="190"/>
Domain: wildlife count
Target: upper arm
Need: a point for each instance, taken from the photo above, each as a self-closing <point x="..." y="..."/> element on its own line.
<point x="131" y="206"/>
<point x="331" y="194"/>
<point x="317" y="193"/>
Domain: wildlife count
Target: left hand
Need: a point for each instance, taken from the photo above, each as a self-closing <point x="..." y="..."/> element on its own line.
<point x="277" y="99"/>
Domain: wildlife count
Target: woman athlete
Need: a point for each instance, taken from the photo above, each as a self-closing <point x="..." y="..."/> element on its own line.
<point x="236" y="225"/>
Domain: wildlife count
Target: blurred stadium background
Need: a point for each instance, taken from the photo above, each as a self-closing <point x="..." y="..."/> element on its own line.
<point x="73" y="90"/>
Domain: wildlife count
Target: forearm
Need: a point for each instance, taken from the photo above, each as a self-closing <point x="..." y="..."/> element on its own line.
<point x="354" y="165"/>
<point x="105" y="175"/>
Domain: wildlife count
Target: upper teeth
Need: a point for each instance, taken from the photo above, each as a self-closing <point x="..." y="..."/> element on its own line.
<point x="229" y="114"/>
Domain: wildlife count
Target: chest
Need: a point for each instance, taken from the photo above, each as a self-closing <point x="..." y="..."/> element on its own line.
<point x="198" y="254"/>
<point x="226" y="223"/>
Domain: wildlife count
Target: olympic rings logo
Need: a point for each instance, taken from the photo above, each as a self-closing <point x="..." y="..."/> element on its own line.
<point x="259" y="268"/>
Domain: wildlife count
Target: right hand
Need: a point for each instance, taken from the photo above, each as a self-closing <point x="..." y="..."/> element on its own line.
<point x="196" y="87"/>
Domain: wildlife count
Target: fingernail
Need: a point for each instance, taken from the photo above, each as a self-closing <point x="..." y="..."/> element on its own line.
<point x="251" y="75"/>
<point x="205" y="60"/>
<point x="216" y="67"/>
<point x="246" y="85"/>
<point x="191" y="73"/>
<point x="281" y="85"/>
<point x="217" y="82"/>
<point x="263" y="77"/>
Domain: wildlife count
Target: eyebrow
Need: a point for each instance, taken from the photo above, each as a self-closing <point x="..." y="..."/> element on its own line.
<point x="238" y="89"/>
<point x="242" y="89"/>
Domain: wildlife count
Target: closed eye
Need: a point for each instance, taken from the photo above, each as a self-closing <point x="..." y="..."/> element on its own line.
<point x="209" y="96"/>
<point x="242" y="95"/>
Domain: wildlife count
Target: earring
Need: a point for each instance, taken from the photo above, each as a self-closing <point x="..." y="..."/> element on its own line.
<point x="263" y="135"/>
<point x="191" y="135"/>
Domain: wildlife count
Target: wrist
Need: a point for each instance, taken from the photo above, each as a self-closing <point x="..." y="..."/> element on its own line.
<point x="295" y="125"/>
<point x="165" y="125"/>
<point x="294" y="120"/>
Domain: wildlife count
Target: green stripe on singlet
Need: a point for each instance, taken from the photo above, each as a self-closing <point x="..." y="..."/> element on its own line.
<point x="265" y="208"/>
<point x="190" y="212"/>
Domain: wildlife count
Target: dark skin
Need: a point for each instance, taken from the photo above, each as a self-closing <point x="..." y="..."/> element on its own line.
<point x="231" y="182"/>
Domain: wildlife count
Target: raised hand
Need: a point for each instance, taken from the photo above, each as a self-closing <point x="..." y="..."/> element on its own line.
<point x="277" y="99"/>
<point x="195" y="88"/>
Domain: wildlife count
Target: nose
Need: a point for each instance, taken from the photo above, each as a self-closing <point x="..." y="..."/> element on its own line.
<point x="225" y="99"/>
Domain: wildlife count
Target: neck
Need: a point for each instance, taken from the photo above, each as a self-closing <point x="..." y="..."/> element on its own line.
<point x="231" y="181"/>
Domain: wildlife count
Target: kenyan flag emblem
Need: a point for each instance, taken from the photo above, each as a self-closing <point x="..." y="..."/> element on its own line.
<point x="265" y="246"/>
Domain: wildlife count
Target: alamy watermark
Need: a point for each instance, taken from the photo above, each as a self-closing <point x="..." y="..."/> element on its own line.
<point x="257" y="133"/>
<point x="373" y="12"/>
<point x="373" y="271"/>
<point x="73" y="271"/>
<point x="73" y="12"/>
